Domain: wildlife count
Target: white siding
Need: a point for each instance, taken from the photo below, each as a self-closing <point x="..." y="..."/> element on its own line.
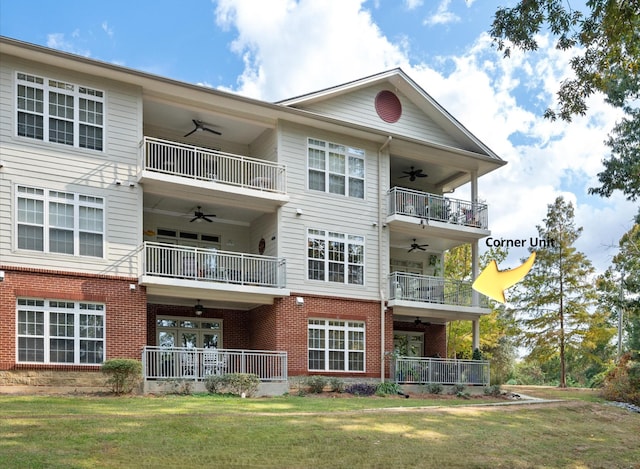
<point x="359" y="107"/>
<point x="325" y="211"/>
<point x="53" y="166"/>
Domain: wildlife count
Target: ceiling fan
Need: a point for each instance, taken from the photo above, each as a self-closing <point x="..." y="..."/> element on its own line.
<point x="201" y="126"/>
<point x="413" y="174"/>
<point x="200" y="215"/>
<point x="415" y="246"/>
<point x="418" y="321"/>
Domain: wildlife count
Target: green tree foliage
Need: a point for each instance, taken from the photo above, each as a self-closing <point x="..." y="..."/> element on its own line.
<point x="606" y="40"/>
<point x="623" y="276"/>
<point x="554" y="300"/>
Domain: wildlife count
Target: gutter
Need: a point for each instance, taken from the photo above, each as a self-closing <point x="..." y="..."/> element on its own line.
<point x="383" y="306"/>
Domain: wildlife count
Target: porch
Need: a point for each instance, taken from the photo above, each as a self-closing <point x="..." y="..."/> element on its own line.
<point x="433" y="207"/>
<point x="408" y="287"/>
<point x="445" y="371"/>
<point x="163" y="365"/>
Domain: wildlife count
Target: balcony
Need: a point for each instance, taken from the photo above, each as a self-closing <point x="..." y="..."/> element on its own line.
<point x="184" y="271"/>
<point x="437" y="297"/>
<point x="410" y="210"/>
<point x="419" y="370"/>
<point x="196" y="172"/>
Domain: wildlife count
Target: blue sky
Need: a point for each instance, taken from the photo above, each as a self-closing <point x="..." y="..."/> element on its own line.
<point x="275" y="49"/>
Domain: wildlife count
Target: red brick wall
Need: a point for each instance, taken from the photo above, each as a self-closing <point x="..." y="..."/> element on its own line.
<point x="435" y="336"/>
<point x="291" y="329"/>
<point x="125" y="309"/>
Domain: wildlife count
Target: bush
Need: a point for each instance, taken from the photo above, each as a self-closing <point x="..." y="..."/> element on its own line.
<point x="336" y="384"/>
<point x="434" y="388"/>
<point x="361" y="389"/>
<point x="387" y="388"/>
<point x="623" y="382"/>
<point x="457" y="389"/>
<point x="494" y="390"/>
<point x="179" y="386"/>
<point x="235" y="383"/>
<point x="316" y="384"/>
<point x="122" y="374"/>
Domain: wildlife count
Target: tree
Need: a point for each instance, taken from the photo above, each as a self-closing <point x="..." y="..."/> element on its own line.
<point x="553" y="301"/>
<point x="619" y="286"/>
<point x="606" y="39"/>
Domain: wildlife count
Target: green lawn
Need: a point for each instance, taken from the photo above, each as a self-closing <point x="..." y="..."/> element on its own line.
<point x="309" y="432"/>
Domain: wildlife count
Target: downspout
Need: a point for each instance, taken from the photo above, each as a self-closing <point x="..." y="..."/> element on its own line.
<point x="381" y="211"/>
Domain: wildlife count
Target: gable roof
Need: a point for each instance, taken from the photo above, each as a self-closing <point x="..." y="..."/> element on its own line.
<point x="400" y="81"/>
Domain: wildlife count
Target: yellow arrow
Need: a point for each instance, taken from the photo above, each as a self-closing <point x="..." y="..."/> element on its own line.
<point x="493" y="282"/>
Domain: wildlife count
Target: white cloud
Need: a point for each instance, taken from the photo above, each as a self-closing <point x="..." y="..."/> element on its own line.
<point x="107" y="29"/>
<point x="289" y="48"/>
<point x="58" y="41"/>
<point x="412" y="4"/>
<point x="442" y="15"/>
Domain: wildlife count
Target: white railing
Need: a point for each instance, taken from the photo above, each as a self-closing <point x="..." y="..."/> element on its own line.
<point x="212" y="265"/>
<point x="420" y="370"/>
<point x="188" y="161"/>
<point x="437" y="207"/>
<point x="198" y="364"/>
<point x="430" y="289"/>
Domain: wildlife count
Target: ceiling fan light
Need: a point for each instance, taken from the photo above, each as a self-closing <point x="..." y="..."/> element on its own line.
<point x="199" y="309"/>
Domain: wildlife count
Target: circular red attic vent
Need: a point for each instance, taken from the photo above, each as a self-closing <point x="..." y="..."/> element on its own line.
<point x="388" y="106"/>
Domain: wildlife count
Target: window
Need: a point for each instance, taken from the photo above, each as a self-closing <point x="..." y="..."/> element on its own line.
<point x="60" y="332"/>
<point x="59" y="112"/>
<point x="336" y="169"/>
<point x="189" y="333"/>
<point x="335" y="257"/>
<point x="336" y="345"/>
<point x="60" y="222"/>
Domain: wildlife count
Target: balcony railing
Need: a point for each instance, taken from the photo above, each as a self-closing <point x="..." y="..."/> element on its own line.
<point x="198" y="364"/>
<point x="198" y="163"/>
<point x="421" y="370"/>
<point x="437" y="207"/>
<point x="212" y="265"/>
<point x="429" y="289"/>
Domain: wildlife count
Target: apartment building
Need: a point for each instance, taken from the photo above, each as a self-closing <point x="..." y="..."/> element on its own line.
<point x="148" y="218"/>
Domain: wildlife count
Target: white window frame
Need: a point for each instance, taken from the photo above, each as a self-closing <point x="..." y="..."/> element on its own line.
<point x="354" y="159"/>
<point x="84" y="114"/>
<point x="47" y="198"/>
<point x="78" y="333"/>
<point x="332" y="267"/>
<point x="325" y="327"/>
<point x="178" y="325"/>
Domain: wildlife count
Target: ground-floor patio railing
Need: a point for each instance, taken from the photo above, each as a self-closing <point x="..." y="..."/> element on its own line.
<point x="198" y="364"/>
<point x="421" y="370"/>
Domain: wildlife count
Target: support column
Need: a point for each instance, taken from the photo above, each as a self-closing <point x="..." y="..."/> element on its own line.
<point x="475" y="256"/>
<point x="475" y="327"/>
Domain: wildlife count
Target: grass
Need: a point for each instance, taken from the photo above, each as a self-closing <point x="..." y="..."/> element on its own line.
<point x="302" y="432"/>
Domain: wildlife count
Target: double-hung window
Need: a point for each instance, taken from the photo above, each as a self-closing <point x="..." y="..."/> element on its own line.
<point x="334" y="168"/>
<point x="335" y="257"/>
<point x="60" y="222"/>
<point x="51" y="331"/>
<point x="336" y="345"/>
<point x="60" y="112"/>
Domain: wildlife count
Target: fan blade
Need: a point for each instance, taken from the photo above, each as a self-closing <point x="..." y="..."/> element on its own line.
<point x="421" y="174"/>
<point x="193" y="219"/>
<point x="207" y="219"/>
<point x="211" y="130"/>
<point x="186" y="135"/>
<point x="421" y="248"/>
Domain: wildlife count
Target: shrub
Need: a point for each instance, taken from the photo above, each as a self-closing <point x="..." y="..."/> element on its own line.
<point x="361" y="389"/>
<point x="336" y="384"/>
<point x="122" y="374"/>
<point x="457" y="389"/>
<point x="623" y="382"/>
<point x="179" y="386"/>
<point x="434" y="388"/>
<point x="234" y="383"/>
<point x="316" y="384"/>
<point x="387" y="388"/>
<point x="494" y="390"/>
